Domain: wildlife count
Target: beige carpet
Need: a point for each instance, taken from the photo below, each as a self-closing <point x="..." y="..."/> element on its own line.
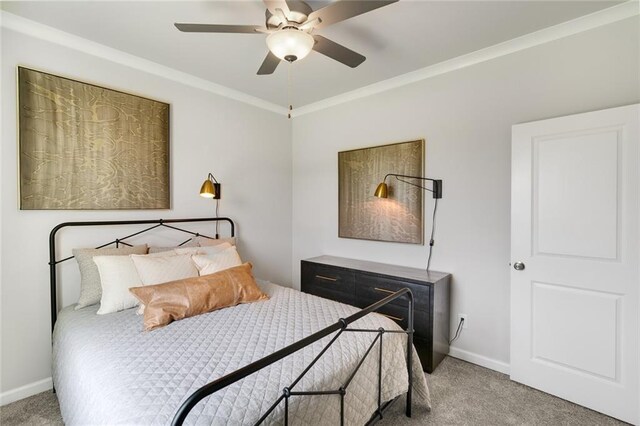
<point x="462" y="393"/>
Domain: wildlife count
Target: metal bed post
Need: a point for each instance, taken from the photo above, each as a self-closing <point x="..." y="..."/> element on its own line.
<point x="410" y="354"/>
<point x="380" y="373"/>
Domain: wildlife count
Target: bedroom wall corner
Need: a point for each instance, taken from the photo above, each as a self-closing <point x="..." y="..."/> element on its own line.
<point x="466" y="117"/>
<point x="246" y="147"/>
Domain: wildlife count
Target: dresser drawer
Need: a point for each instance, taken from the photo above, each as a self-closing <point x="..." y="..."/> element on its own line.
<point x="327" y="293"/>
<point x="421" y="320"/>
<point x="371" y="288"/>
<point x="321" y="280"/>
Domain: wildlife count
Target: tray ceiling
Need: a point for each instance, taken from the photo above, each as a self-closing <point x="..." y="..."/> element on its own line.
<point x="396" y="39"/>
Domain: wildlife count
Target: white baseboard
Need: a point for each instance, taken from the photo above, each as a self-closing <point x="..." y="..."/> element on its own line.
<point x="483" y="361"/>
<point x="25" y="391"/>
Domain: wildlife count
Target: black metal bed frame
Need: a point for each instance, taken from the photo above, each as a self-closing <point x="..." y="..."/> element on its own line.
<point x="341" y="326"/>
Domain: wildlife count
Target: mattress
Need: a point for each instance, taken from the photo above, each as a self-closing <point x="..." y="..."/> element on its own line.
<point x="107" y="370"/>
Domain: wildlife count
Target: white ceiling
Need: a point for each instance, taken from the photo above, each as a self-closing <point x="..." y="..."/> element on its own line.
<point x="396" y="39"/>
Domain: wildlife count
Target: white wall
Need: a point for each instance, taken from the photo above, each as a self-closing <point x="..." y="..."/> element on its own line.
<point x="248" y="149"/>
<point x="466" y="118"/>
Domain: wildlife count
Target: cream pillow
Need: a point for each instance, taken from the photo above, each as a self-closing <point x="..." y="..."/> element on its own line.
<point x="190" y="250"/>
<point x="183" y="250"/>
<point x="162" y="269"/>
<point x="225" y="259"/>
<point x="191" y="243"/>
<point x="117" y="275"/>
<point x="206" y="251"/>
<point x="207" y="242"/>
<point x="172" y="252"/>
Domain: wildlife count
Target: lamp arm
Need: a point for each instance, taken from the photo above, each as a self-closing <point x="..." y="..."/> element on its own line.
<point x="406" y="176"/>
<point x="213" y="178"/>
<point x="414" y="184"/>
<point x="437" y="183"/>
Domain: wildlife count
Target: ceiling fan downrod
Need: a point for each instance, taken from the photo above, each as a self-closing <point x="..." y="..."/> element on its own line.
<point x="289" y="87"/>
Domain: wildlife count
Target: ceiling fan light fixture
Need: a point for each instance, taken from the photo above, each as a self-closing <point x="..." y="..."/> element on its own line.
<point x="290" y="44"/>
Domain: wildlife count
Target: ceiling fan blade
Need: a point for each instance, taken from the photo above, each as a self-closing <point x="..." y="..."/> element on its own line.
<point x="273" y="5"/>
<point x="213" y="28"/>
<point x="309" y="24"/>
<point x="345" y="9"/>
<point x="337" y="51"/>
<point x="269" y="64"/>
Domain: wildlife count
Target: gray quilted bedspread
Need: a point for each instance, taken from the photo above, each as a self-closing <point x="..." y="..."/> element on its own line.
<point x="107" y="370"/>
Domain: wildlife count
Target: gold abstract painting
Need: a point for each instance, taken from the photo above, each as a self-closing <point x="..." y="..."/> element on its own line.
<point x="397" y="218"/>
<point x="85" y="147"/>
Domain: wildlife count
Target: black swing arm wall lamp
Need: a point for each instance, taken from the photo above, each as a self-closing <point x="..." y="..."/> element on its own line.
<point x="382" y="190"/>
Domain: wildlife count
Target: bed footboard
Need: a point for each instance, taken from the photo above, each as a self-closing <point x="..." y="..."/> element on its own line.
<point x="341" y="326"/>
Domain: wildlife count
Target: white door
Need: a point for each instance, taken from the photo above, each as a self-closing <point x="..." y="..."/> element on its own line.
<point x="574" y="228"/>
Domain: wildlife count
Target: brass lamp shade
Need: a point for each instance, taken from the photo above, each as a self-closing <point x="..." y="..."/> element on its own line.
<point x="381" y="190"/>
<point x="210" y="189"/>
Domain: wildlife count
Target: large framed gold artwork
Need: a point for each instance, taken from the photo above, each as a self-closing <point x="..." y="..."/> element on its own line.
<point x="86" y="147"/>
<point x="398" y="218"/>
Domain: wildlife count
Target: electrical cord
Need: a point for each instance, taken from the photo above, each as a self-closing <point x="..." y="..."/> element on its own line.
<point x="433" y="230"/>
<point x="458" y="331"/>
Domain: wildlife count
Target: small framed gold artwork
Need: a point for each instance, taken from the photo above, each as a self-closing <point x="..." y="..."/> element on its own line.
<point x="398" y="218"/>
<point x="86" y="147"/>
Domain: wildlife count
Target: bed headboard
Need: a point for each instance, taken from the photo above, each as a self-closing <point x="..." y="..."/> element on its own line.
<point x="152" y="224"/>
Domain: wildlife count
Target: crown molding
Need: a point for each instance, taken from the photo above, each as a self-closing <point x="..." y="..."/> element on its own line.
<point x="556" y="32"/>
<point x="34" y="29"/>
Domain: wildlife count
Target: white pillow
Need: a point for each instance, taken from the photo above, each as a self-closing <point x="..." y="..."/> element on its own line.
<point x="225" y="259"/>
<point x="117" y="275"/>
<point x="206" y="251"/>
<point x="162" y="269"/>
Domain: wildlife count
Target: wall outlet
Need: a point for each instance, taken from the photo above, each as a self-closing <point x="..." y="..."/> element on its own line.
<point x="466" y="321"/>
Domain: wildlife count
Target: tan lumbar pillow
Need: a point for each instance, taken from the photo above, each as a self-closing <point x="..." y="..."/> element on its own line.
<point x="176" y="300"/>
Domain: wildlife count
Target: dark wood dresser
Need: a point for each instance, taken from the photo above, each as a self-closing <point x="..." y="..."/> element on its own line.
<point x="361" y="283"/>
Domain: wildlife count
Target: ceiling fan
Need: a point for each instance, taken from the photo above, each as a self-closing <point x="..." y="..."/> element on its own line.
<point x="290" y="24"/>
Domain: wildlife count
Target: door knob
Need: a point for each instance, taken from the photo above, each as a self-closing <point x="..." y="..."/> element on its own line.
<point x="518" y="266"/>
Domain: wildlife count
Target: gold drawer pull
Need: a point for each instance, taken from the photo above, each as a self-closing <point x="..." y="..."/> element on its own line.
<point x="383" y="290"/>
<point x="392" y="317"/>
<point x="322" y="277"/>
